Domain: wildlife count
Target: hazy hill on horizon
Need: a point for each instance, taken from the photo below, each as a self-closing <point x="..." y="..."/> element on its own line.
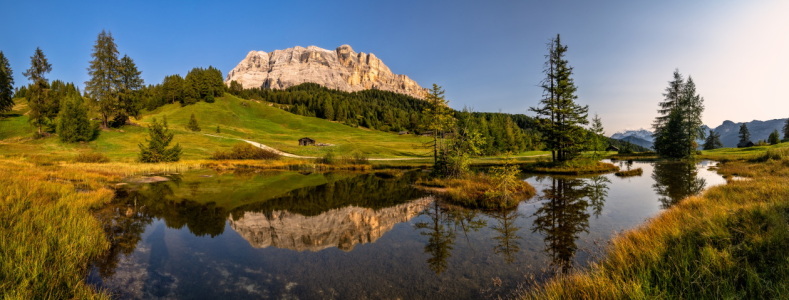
<point x="728" y="130"/>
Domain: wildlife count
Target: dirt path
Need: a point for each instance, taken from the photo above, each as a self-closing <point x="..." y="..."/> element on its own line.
<point x="256" y="144"/>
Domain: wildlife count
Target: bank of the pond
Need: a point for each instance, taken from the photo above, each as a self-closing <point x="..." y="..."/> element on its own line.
<point x="729" y="242"/>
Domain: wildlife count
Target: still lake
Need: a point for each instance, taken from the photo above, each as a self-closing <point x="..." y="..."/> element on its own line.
<point x="292" y="235"/>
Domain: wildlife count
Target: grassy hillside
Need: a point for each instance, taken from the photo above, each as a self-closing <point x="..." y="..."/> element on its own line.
<point x="237" y="118"/>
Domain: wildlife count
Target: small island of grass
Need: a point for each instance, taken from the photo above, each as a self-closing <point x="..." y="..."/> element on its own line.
<point x="575" y="167"/>
<point x="630" y="173"/>
<point x="479" y="191"/>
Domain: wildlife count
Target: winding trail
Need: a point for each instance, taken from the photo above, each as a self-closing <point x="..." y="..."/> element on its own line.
<point x="277" y="151"/>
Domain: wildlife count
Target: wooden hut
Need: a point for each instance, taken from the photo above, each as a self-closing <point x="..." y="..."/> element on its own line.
<point x="305" y="141"/>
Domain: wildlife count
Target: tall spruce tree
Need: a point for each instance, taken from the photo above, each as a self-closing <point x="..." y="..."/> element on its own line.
<point x="713" y="141"/>
<point x="439" y="120"/>
<point x="6" y="84"/>
<point x="678" y="125"/>
<point x="745" y="136"/>
<point x="559" y="117"/>
<point x="103" y="88"/>
<point x="38" y="94"/>
<point x="129" y="102"/>
<point x="156" y="150"/>
<point x="73" y="123"/>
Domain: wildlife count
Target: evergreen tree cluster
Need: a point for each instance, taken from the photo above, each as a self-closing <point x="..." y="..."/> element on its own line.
<point x="199" y="85"/>
<point x="114" y="83"/>
<point x="678" y="126"/>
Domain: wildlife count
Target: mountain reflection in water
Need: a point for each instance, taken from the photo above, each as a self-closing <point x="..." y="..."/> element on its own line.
<point x="340" y="227"/>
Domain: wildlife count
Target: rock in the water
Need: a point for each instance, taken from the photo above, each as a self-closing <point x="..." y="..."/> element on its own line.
<point x="341" y="69"/>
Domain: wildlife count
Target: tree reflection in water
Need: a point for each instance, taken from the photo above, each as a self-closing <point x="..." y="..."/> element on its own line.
<point x="562" y="218"/>
<point x="676" y="180"/>
<point x="507" y="239"/>
<point x="597" y="187"/>
<point x="440" y="235"/>
<point x="441" y="230"/>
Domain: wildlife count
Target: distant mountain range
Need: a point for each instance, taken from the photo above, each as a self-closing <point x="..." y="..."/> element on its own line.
<point x="729" y="131"/>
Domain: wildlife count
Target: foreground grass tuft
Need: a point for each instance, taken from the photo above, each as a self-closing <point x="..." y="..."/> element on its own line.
<point x="47" y="233"/>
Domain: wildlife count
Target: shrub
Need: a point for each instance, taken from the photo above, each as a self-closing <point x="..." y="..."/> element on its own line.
<point x="193" y="126"/>
<point x="327" y="158"/>
<point x="91" y="157"/>
<point x="357" y="158"/>
<point x="245" y="151"/>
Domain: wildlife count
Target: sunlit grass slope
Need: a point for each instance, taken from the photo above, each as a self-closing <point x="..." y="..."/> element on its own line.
<point x="236" y="119"/>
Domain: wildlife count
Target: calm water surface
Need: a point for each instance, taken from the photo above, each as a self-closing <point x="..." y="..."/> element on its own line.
<point x="293" y="235"/>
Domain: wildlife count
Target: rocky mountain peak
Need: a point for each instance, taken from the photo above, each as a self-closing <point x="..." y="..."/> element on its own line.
<point x="342" y="69"/>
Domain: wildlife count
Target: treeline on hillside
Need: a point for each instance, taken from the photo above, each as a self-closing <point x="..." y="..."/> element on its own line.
<point x="389" y="111"/>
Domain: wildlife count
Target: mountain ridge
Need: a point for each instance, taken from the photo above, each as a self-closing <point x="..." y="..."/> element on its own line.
<point x="341" y="69"/>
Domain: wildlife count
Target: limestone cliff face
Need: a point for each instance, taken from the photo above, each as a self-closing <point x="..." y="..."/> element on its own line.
<point x="341" y="69"/>
<point x="343" y="228"/>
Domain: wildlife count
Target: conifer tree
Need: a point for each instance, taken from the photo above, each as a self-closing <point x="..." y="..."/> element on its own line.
<point x="597" y="139"/>
<point x="786" y="130"/>
<point x="559" y="117"/>
<point x="6" y="84"/>
<point x="713" y="141"/>
<point x="439" y="119"/>
<point x="745" y="136"/>
<point x="129" y="103"/>
<point x="156" y="150"/>
<point x="38" y="94"/>
<point x="678" y="124"/>
<point x="774" y="138"/>
<point x="103" y="86"/>
<point x="193" y="126"/>
<point x="73" y="123"/>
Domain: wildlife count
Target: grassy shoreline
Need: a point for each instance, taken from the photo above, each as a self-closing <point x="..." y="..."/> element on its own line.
<point x="729" y="242"/>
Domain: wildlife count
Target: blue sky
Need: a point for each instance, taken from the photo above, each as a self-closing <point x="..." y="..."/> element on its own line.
<point x="488" y="55"/>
